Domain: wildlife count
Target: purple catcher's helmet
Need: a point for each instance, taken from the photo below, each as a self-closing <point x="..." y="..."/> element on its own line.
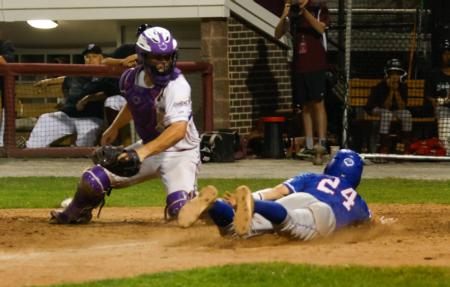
<point x="346" y="164"/>
<point x="157" y="41"/>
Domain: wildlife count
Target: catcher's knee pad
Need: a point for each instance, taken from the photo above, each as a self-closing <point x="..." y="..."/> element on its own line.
<point x="90" y="194"/>
<point x="95" y="181"/>
<point x="175" y="201"/>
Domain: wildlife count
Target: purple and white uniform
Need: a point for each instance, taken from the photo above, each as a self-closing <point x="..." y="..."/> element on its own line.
<point x="154" y="109"/>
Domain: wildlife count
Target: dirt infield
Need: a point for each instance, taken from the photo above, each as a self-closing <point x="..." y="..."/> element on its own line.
<point x="127" y="242"/>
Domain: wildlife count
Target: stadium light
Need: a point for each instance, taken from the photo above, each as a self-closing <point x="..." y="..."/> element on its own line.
<point x="42" y="24"/>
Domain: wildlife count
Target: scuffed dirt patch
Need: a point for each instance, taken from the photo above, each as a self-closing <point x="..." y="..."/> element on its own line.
<point x="130" y="241"/>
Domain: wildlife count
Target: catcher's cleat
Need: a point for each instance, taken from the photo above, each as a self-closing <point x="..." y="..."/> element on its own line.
<point x="60" y="216"/>
<point x="192" y="210"/>
<point x="57" y="217"/>
<point x="244" y="210"/>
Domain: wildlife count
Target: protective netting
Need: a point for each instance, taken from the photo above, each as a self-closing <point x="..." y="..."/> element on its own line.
<point x="74" y="108"/>
<point x="364" y="36"/>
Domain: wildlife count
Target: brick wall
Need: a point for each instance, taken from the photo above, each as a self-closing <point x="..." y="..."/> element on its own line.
<point x="259" y="81"/>
<point x="214" y="50"/>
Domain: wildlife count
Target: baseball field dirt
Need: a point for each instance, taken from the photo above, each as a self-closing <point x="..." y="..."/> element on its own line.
<point x="127" y="242"/>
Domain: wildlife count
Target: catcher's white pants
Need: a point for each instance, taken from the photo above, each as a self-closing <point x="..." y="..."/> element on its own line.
<point x="53" y="126"/>
<point x="307" y="219"/>
<point x="443" y="118"/>
<point x="177" y="169"/>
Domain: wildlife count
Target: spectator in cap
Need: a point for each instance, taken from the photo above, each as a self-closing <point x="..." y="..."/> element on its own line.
<point x="389" y="100"/>
<point x="92" y="49"/>
<point x="82" y="112"/>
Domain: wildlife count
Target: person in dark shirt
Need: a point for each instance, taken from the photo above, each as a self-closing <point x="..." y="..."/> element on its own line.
<point x="6" y="56"/>
<point x="82" y="110"/>
<point x="438" y="93"/>
<point x="306" y="21"/>
<point x="125" y="54"/>
<point x="388" y="100"/>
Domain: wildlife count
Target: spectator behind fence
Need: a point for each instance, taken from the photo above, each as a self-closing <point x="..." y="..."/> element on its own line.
<point x="306" y="21"/>
<point x="438" y="93"/>
<point x="388" y="100"/>
<point x="6" y="55"/>
<point x="82" y="110"/>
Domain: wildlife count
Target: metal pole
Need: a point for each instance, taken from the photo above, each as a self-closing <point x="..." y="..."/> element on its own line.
<point x="348" y="34"/>
<point x="341" y="36"/>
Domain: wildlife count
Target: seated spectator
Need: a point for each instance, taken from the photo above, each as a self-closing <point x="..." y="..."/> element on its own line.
<point x="438" y="93"/>
<point x="82" y="111"/>
<point x="388" y="100"/>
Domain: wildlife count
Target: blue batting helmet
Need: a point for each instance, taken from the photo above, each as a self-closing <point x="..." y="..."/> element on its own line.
<point x="346" y="164"/>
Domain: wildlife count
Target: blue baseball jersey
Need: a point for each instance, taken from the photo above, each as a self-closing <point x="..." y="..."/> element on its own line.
<point x="346" y="203"/>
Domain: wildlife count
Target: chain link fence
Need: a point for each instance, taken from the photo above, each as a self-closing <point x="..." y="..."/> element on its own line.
<point x="363" y="37"/>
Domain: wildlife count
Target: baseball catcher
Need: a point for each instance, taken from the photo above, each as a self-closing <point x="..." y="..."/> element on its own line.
<point x="159" y="102"/>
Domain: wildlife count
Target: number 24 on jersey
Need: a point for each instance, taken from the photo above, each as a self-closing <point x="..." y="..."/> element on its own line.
<point x="329" y="186"/>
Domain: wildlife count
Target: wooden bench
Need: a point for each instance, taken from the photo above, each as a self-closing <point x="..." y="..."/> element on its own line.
<point x="30" y="103"/>
<point x="33" y="101"/>
<point x="359" y="92"/>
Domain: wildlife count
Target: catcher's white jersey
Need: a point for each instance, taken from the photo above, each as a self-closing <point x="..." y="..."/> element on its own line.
<point x="175" y="104"/>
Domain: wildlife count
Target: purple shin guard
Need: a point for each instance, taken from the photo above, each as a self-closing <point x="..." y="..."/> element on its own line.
<point x="175" y="201"/>
<point x="97" y="179"/>
<point x="91" y="190"/>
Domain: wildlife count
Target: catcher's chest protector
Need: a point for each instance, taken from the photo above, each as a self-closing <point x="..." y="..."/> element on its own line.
<point x="141" y="103"/>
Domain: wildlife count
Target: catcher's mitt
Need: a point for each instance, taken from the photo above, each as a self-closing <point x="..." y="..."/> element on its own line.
<point x="108" y="157"/>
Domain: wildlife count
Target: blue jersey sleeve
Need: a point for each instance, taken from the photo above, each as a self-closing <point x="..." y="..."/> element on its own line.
<point x="298" y="182"/>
